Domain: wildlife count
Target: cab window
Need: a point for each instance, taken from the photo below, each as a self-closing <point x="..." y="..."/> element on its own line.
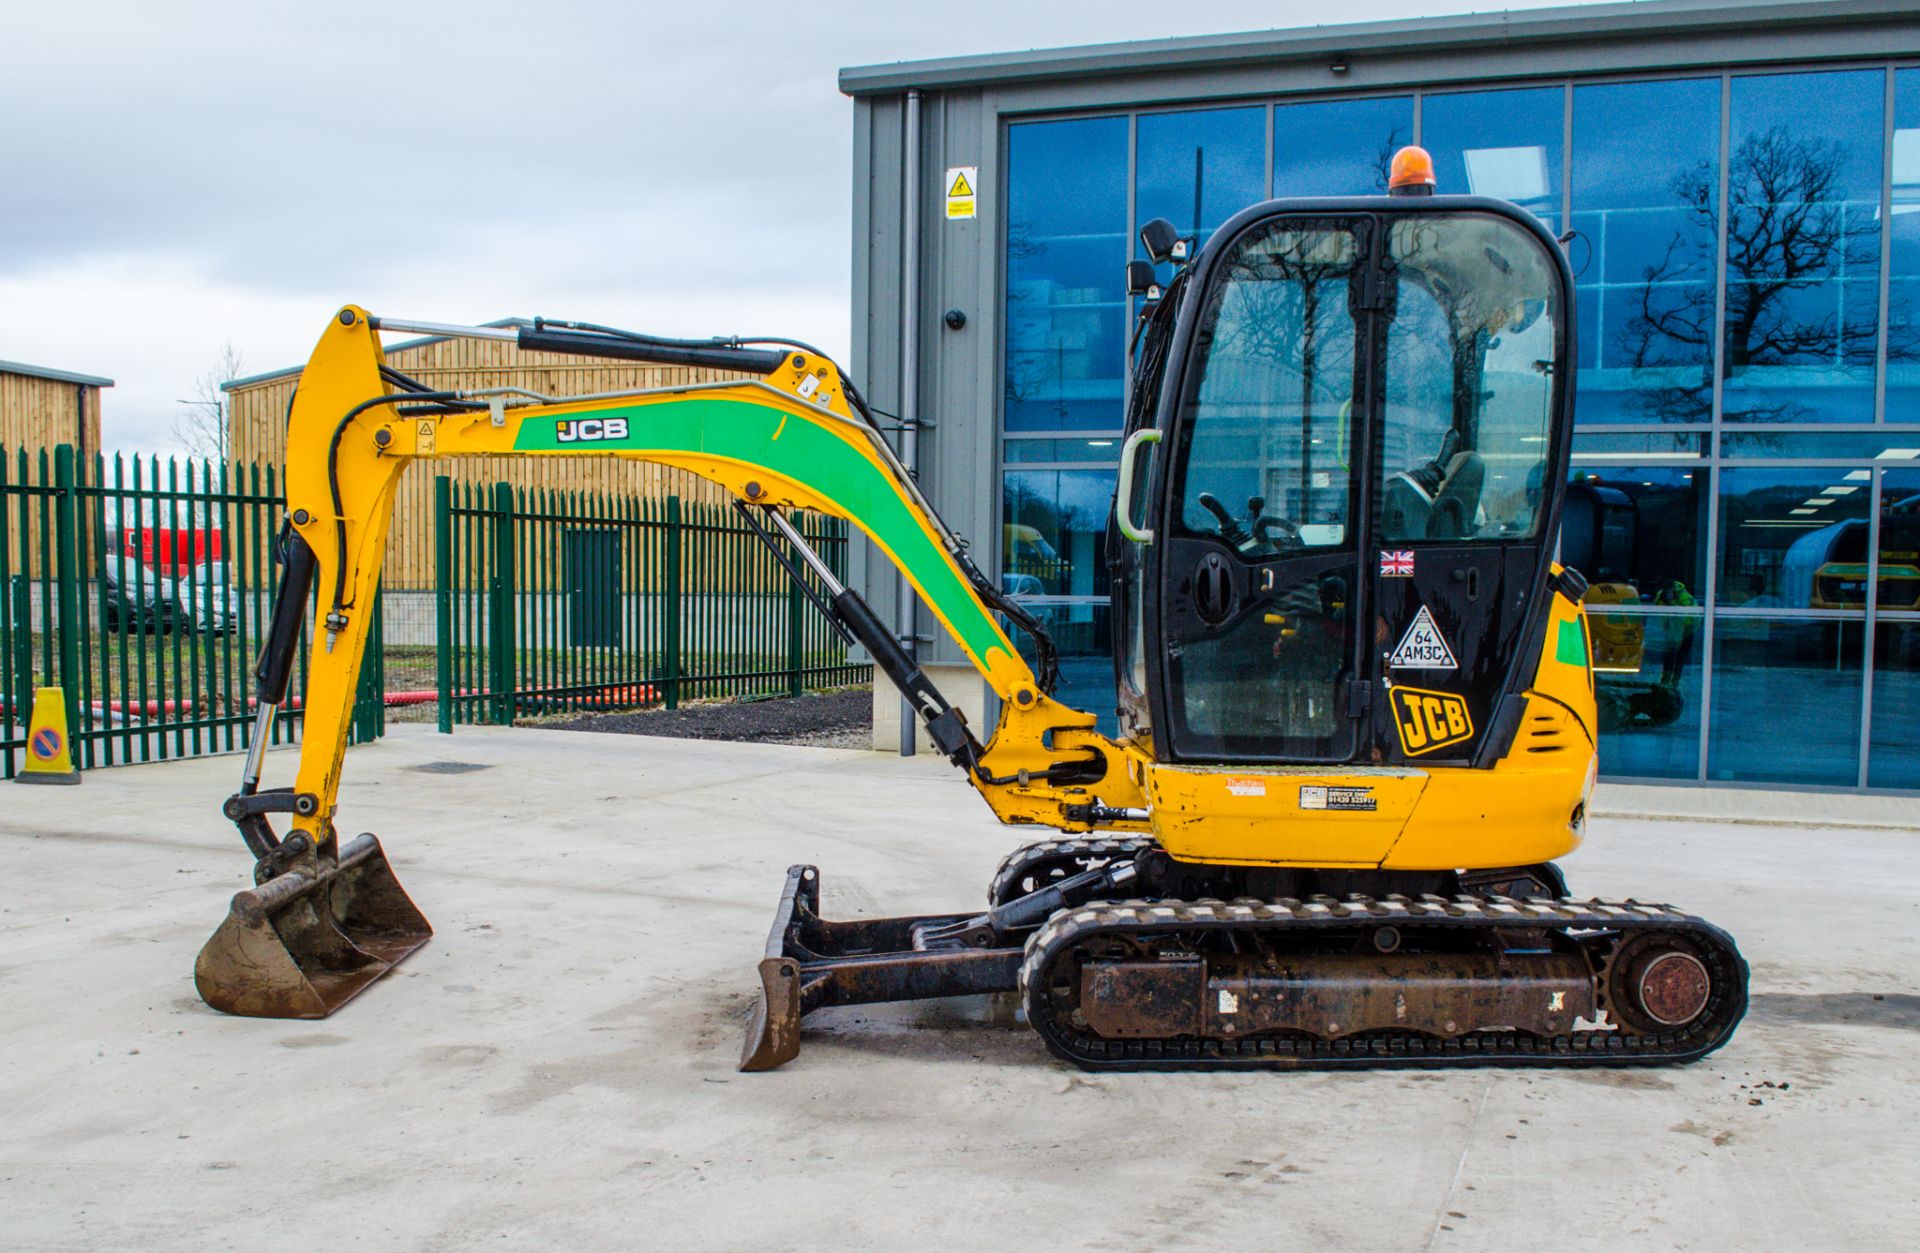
<point x="1269" y="405"/>
<point x="1468" y="381"/>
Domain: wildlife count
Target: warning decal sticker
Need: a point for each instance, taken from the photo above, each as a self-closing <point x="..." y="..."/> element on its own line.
<point x="1423" y="647"/>
<point x="961" y="198"/>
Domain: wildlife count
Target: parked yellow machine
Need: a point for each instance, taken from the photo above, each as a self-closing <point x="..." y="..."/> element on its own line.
<point x="1356" y="713"/>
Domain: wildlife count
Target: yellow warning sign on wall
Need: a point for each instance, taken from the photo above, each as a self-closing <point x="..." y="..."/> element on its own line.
<point x="961" y="196"/>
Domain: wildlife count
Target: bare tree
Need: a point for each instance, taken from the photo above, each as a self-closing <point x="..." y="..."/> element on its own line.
<point x="1790" y="230"/>
<point x="201" y="425"/>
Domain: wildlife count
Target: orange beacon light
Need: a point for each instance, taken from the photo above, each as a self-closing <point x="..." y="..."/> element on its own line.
<point x="1411" y="173"/>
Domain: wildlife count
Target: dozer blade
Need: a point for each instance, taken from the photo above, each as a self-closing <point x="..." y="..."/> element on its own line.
<point x="773" y="1033"/>
<point x="301" y="946"/>
<point x="812" y="963"/>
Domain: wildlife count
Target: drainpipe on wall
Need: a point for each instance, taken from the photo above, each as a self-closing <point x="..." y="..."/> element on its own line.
<point x="904" y="618"/>
<point x="80" y="423"/>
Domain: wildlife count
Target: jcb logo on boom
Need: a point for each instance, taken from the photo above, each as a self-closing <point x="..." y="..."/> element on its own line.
<point x="1429" y="720"/>
<point x="581" y="430"/>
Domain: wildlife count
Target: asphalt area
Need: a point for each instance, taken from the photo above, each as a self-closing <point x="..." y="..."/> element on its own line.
<point x="842" y="719"/>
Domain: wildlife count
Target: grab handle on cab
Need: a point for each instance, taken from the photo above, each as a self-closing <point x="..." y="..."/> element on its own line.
<point x="1123" y="496"/>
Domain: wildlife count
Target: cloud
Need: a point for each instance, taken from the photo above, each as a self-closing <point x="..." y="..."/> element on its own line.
<point x="181" y="175"/>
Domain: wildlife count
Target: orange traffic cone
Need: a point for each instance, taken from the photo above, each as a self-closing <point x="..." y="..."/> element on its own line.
<point x="49" y="754"/>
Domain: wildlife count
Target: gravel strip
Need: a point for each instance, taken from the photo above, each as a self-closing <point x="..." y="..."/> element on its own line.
<point x="827" y="719"/>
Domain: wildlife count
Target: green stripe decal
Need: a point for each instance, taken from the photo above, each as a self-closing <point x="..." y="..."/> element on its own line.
<point x="1570" y="646"/>
<point x="807" y="454"/>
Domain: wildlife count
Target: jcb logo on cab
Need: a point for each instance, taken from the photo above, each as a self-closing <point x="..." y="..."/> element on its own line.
<point x="1429" y="720"/>
<point x="580" y="430"/>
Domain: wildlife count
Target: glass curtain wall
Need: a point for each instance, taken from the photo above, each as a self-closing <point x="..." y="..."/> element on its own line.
<point x="1746" y="477"/>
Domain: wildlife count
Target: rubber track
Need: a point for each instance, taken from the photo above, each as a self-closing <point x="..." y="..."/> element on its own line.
<point x="1070" y="928"/>
<point x="1022" y="859"/>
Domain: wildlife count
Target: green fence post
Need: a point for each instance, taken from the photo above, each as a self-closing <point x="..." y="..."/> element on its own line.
<point x="500" y="641"/>
<point x="443" y="598"/>
<point x="22" y="659"/>
<point x="370" y="697"/>
<point x="795" y="620"/>
<point x="670" y="611"/>
<point x="68" y="560"/>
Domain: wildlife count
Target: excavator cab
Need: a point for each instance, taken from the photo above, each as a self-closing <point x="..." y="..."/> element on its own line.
<point x="1358" y="424"/>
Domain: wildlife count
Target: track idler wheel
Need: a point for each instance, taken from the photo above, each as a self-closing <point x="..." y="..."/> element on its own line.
<point x="1658" y="983"/>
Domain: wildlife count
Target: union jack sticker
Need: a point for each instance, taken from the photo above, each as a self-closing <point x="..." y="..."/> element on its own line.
<point x="1396" y="565"/>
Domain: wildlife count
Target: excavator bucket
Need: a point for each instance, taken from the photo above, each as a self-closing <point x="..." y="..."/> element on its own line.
<point x="302" y="945"/>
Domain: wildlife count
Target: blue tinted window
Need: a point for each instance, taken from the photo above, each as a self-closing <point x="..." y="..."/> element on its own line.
<point x="1903" y="278"/>
<point x="1793" y="539"/>
<point x="1066" y="285"/>
<point x="1054" y="525"/>
<point x="1199" y="168"/>
<point x="1899" y="542"/>
<point x="1083" y="635"/>
<point x="1504" y="144"/>
<point x="1786" y="701"/>
<point x="1828" y="445"/>
<point x="1803" y="247"/>
<point x="1894" y="758"/>
<point x="1340" y="147"/>
<point x="1646" y="185"/>
<point x="1639" y="530"/>
<point x="1647" y="689"/>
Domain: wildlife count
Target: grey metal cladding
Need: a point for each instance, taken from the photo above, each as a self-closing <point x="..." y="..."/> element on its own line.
<point x="1660" y="34"/>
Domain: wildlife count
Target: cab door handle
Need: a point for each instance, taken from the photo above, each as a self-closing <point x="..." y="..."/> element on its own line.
<point x="1123" y="495"/>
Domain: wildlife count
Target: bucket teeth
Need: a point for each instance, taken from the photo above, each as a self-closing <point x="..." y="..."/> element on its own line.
<point x="301" y="945"/>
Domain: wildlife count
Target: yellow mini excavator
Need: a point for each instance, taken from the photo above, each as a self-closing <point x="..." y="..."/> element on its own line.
<point x="1356" y="709"/>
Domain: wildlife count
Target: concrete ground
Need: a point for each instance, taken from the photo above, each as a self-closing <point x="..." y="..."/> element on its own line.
<point x="556" y="1067"/>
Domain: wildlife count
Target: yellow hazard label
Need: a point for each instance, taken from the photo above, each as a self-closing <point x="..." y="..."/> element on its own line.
<point x="961" y="198"/>
<point x="424" y="442"/>
<point x="1429" y="720"/>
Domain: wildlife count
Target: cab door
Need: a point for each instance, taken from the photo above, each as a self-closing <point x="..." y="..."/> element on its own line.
<point x="1258" y="557"/>
<point x="1469" y="419"/>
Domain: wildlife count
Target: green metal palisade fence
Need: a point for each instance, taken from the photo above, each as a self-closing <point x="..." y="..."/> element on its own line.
<point x="142" y="588"/>
<point x="550" y="602"/>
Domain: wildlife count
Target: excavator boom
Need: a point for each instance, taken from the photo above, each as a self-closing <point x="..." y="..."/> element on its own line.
<point x="324" y="920"/>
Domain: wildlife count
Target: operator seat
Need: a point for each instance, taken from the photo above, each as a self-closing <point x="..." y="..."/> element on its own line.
<point x="1458" y="503"/>
<point x="1438" y="500"/>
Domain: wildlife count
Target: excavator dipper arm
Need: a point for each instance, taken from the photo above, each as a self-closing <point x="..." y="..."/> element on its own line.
<point x="325" y="919"/>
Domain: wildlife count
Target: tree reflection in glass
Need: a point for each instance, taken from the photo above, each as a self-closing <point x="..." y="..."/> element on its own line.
<point x="1799" y="336"/>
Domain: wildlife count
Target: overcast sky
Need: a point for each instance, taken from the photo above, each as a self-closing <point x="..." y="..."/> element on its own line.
<point x="180" y="175"/>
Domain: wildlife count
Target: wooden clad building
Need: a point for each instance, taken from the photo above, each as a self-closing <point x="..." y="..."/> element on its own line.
<point x="257" y="428"/>
<point x="42" y="408"/>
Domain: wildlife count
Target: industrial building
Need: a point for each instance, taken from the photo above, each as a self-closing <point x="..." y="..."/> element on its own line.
<point x="1736" y="185"/>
